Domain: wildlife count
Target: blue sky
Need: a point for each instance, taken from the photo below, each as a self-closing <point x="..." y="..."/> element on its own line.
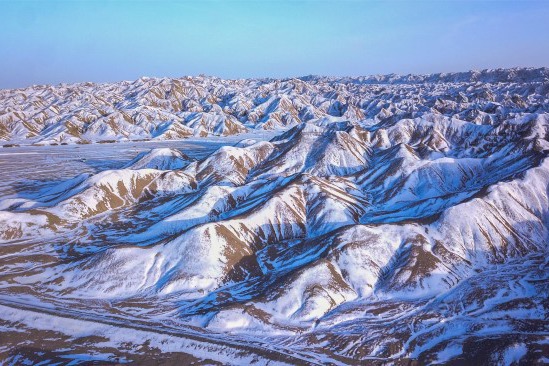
<point x="69" y="41"/>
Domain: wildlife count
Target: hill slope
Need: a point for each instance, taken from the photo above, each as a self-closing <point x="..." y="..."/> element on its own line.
<point x="409" y="236"/>
<point x="152" y="108"/>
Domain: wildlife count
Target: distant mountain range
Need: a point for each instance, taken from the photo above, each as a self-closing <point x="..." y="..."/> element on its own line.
<point x="161" y="108"/>
<point x="395" y="220"/>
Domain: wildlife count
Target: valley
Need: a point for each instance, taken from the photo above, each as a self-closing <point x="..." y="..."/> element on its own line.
<point x="379" y="220"/>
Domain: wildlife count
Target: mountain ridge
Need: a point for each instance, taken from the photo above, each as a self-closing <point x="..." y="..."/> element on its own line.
<point x="419" y="233"/>
<point x="176" y="108"/>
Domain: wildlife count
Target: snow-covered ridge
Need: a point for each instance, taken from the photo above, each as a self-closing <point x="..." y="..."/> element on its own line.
<point x="515" y="75"/>
<point x="419" y="233"/>
<point x="162" y="108"/>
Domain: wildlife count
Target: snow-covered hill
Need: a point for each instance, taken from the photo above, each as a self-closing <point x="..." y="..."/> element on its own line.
<point x="153" y="108"/>
<point x="407" y="219"/>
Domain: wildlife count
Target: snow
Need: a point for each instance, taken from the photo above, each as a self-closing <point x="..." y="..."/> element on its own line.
<point x="513" y="354"/>
<point x="117" y="336"/>
<point x="161" y="159"/>
<point x="402" y="219"/>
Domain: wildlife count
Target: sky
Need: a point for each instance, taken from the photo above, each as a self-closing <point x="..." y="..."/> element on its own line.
<point x="48" y="42"/>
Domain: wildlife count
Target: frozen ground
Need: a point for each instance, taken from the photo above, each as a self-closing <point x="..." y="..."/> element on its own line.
<point x="407" y="220"/>
<point x="27" y="168"/>
<point x="32" y="332"/>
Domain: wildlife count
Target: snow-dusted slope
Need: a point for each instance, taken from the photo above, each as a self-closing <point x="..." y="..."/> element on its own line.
<point x="151" y="108"/>
<point x="161" y="159"/>
<point x="419" y="236"/>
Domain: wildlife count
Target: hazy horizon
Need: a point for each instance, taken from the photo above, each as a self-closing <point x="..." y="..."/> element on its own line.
<point x="267" y="77"/>
<point x="106" y="41"/>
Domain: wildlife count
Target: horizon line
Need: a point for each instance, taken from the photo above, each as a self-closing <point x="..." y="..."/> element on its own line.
<point x="394" y="74"/>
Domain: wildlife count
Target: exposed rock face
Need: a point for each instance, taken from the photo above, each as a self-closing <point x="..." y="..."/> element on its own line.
<point x="417" y="234"/>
